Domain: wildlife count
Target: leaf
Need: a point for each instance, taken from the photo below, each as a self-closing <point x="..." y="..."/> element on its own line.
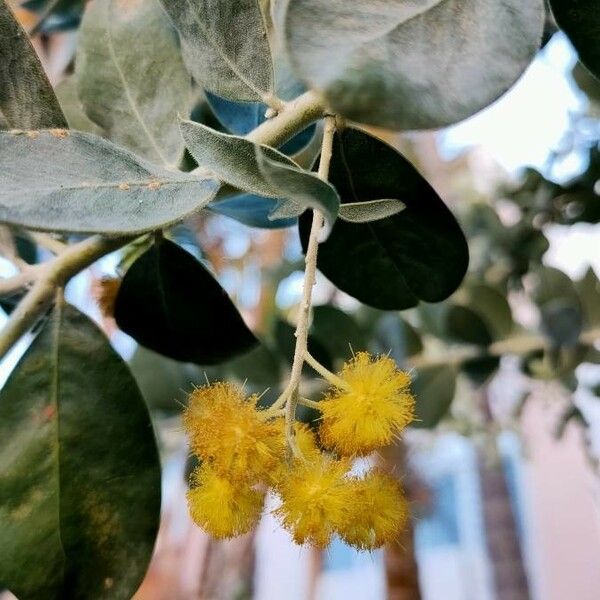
<point x="170" y="303"/>
<point x="588" y="289"/>
<point x="397" y="337"/>
<point x="251" y="210"/>
<point x="259" y="170"/>
<point x="392" y="263"/>
<point x="66" y="92"/>
<point x="480" y="369"/>
<point x="580" y="20"/>
<point x="134" y="91"/>
<point x="231" y="158"/>
<point x="79" y="469"/>
<point x="433" y="388"/>
<point x="56" y="180"/>
<point x="27" y="100"/>
<point x="490" y="305"/>
<point x="225" y="46"/>
<point x="298" y="190"/>
<point x="373" y="210"/>
<point x="411" y="65"/>
<point x="465" y="325"/>
<point x="337" y="331"/>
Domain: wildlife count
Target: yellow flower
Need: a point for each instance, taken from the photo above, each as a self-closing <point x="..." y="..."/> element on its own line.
<point x="368" y="408"/>
<point x="220" y="507"/>
<point x="379" y="511"/>
<point x="306" y="442"/>
<point x="226" y="429"/>
<point x="315" y="498"/>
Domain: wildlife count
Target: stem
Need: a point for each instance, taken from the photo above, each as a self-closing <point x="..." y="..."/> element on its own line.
<point x="310" y="270"/>
<point x="309" y="403"/>
<point x="53" y="275"/>
<point x="332" y="378"/>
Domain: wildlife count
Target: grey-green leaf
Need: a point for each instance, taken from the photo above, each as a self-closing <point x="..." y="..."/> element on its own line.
<point x="131" y="78"/>
<point x="57" y="180"/>
<point x="434" y="387"/>
<point x="225" y="46"/>
<point x="27" y="100"/>
<point x="79" y="469"/>
<point x="411" y="65"/>
<point x="231" y="158"/>
<point x="298" y="190"/>
<point x="372" y="210"/>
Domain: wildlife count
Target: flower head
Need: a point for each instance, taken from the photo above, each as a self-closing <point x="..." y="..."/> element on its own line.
<point x="378" y="513"/>
<point x="315" y="498"/>
<point x="220" y="507"/>
<point x="368" y="408"/>
<point x="227" y="430"/>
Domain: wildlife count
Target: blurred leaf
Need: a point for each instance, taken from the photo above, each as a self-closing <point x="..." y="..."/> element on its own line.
<point x="259" y="367"/>
<point x="285" y="339"/>
<point x="396" y="336"/>
<point x="27" y="100"/>
<point x="479" y="370"/>
<point x="490" y="305"/>
<point x="588" y="289"/>
<point x="465" y="325"/>
<point x="59" y="180"/>
<point x="134" y="91"/>
<point x="418" y="254"/>
<point x="225" y="46"/>
<point x="411" y="64"/>
<point x="60" y="15"/>
<point x="171" y="304"/>
<point x="80" y="476"/>
<point x="164" y="382"/>
<point x="433" y="388"/>
<point x="580" y="20"/>
<point x="337" y="331"/>
<point x="251" y="210"/>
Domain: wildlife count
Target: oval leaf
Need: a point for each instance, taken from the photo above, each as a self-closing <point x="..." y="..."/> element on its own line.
<point x="231" y="158"/>
<point x="134" y="91"/>
<point x="372" y="210"/>
<point x="225" y="46"/>
<point x="412" y="65"/>
<point x="251" y="210"/>
<point x="79" y="469"/>
<point x="418" y="254"/>
<point x="171" y="304"/>
<point x="27" y="100"/>
<point x="580" y="20"/>
<point x="433" y="388"/>
<point x="56" y="180"/>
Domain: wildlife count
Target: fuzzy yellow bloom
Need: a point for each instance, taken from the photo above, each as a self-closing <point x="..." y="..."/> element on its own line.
<point x="379" y="511"/>
<point x="368" y="408"/>
<point x="315" y="497"/>
<point x="226" y="429"/>
<point x="306" y="442"/>
<point x="222" y="508"/>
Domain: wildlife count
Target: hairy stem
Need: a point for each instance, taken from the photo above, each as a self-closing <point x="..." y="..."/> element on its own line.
<point x="309" y="282"/>
<point x="53" y="275"/>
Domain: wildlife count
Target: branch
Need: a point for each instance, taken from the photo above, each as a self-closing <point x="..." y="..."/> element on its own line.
<point x="53" y="275"/>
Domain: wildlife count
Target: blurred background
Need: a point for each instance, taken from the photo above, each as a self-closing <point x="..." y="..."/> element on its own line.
<point x="502" y="469"/>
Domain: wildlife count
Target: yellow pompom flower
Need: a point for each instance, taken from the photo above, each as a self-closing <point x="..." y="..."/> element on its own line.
<point x="368" y="407"/>
<point x="315" y="497"/>
<point x="306" y="442"/>
<point x="226" y="429"/>
<point x="378" y="513"/>
<point x="220" y="507"/>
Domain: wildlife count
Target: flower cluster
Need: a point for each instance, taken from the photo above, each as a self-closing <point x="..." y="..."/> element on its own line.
<point x="243" y="451"/>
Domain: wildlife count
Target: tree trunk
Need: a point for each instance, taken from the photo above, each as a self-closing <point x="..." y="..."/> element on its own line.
<point x="401" y="569"/>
